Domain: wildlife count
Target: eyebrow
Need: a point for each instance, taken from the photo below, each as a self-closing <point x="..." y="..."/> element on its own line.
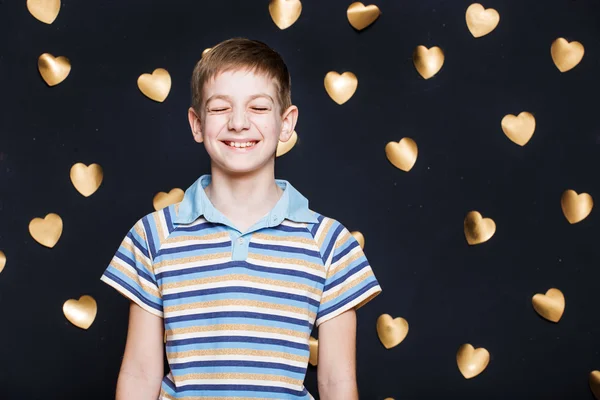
<point x="225" y="97"/>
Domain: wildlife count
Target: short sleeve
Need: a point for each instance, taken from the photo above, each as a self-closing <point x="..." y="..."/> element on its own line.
<point x="131" y="272"/>
<point x="350" y="281"/>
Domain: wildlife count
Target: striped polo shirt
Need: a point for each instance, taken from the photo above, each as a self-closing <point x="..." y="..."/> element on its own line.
<point x="239" y="307"/>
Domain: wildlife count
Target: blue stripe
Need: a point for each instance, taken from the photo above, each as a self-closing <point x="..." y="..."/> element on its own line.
<point x="244" y="314"/>
<point x="133" y="290"/>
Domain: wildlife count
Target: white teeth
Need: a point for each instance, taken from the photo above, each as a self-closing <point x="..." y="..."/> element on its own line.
<point x="238" y="144"/>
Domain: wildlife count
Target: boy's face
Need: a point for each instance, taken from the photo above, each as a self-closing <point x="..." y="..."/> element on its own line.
<point x="240" y="106"/>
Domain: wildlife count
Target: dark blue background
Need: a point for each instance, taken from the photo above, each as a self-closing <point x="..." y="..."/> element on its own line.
<point x="449" y="292"/>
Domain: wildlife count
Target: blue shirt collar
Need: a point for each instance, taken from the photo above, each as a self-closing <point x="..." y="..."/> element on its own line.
<point x="292" y="205"/>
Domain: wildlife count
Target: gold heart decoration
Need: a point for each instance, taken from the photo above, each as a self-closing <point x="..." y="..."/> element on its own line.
<point x="2" y="261"/>
<point x="86" y="179"/>
<point x="284" y="147"/>
<point x="428" y="61"/>
<point x="46" y="231"/>
<point x="471" y="362"/>
<point x="313" y="345"/>
<point x="44" y="10"/>
<point x="359" y="238"/>
<point x="391" y="332"/>
<point x="340" y="87"/>
<point x="162" y="199"/>
<point x="595" y="383"/>
<point x="82" y="312"/>
<point x="576" y="207"/>
<point x="285" y="12"/>
<point x="519" y="129"/>
<point x="566" y="55"/>
<point x="551" y="305"/>
<point x="155" y="86"/>
<point x="361" y="16"/>
<point x="402" y="154"/>
<point x="481" y="21"/>
<point x="54" y="70"/>
<point x="478" y="229"/>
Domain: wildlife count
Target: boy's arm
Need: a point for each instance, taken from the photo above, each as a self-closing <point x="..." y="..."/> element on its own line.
<point x="142" y="368"/>
<point x="336" y="368"/>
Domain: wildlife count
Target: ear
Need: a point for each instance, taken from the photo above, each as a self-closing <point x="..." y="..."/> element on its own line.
<point x="195" y="125"/>
<point x="288" y="123"/>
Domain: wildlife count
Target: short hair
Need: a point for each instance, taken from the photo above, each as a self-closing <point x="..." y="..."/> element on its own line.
<point x="242" y="53"/>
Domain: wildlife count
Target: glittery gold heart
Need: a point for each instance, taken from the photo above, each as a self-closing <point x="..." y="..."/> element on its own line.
<point x="162" y="199"/>
<point x="566" y="55"/>
<point x="54" y="70"/>
<point x="576" y="207"/>
<point x="86" y="179"/>
<point x="2" y="261"/>
<point x="44" y="10"/>
<point x="46" y="231"/>
<point x="391" y="332"/>
<point x="361" y="16"/>
<point x="595" y="383"/>
<point x="551" y="305"/>
<point x="481" y="21"/>
<point x="478" y="229"/>
<point x="428" y="61"/>
<point x="359" y="238"/>
<point x="402" y="154"/>
<point x="471" y="362"/>
<point x="519" y="129"/>
<point x="313" y="345"/>
<point x="285" y="12"/>
<point x="284" y="147"/>
<point x="340" y="87"/>
<point x="155" y="86"/>
<point x="82" y="312"/>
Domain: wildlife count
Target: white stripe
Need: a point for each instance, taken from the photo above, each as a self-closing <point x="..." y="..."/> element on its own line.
<point x="233" y="357"/>
<point x="192" y="264"/>
<point x="192" y="242"/>
<point x="130" y="296"/>
<point x="261" y="310"/>
<point x="229" y="332"/>
<point x="253" y="382"/>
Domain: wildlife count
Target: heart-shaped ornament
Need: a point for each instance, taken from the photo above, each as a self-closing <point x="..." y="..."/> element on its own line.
<point x="285" y="12"/>
<point x="477" y="229"/>
<point x="82" y="312"/>
<point x="566" y="55"/>
<point x="428" y="62"/>
<point x="46" y="231"/>
<point x="44" y="10"/>
<point x="595" y="383"/>
<point x="155" y="86"/>
<point x="313" y="345"/>
<point x="86" y="179"/>
<point x="359" y="238"/>
<point x="481" y="21"/>
<point x="162" y="199"/>
<point x="519" y="129"/>
<point x="402" y="154"/>
<point x="576" y="207"/>
<point x="551" y="305"/>
<point x="471" y="362"/>
<point x="361" y="16"/>
<point x="284" y="147"/>
<point x="53" y="70"/>
<point x="340" y="87"/>
<point x="391" y="332"/>
<point x="2" y="261"/>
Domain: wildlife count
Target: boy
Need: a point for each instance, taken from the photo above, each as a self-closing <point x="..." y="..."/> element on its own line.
<point x="237" y="274"/>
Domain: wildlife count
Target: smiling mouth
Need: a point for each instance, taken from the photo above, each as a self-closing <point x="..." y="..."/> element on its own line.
<point x="241" y="145"/>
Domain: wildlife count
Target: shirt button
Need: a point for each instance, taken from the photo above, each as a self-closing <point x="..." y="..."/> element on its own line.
<point x="241" y="240"/>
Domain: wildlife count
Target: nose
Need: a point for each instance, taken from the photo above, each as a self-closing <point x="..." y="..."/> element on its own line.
<point x="238" y="120"/>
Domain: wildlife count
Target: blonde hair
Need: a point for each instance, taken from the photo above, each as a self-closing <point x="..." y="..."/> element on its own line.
<point x="242" y="53"/>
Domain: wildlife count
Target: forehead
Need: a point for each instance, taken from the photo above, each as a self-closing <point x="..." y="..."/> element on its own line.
<point x="240" y="83"/>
